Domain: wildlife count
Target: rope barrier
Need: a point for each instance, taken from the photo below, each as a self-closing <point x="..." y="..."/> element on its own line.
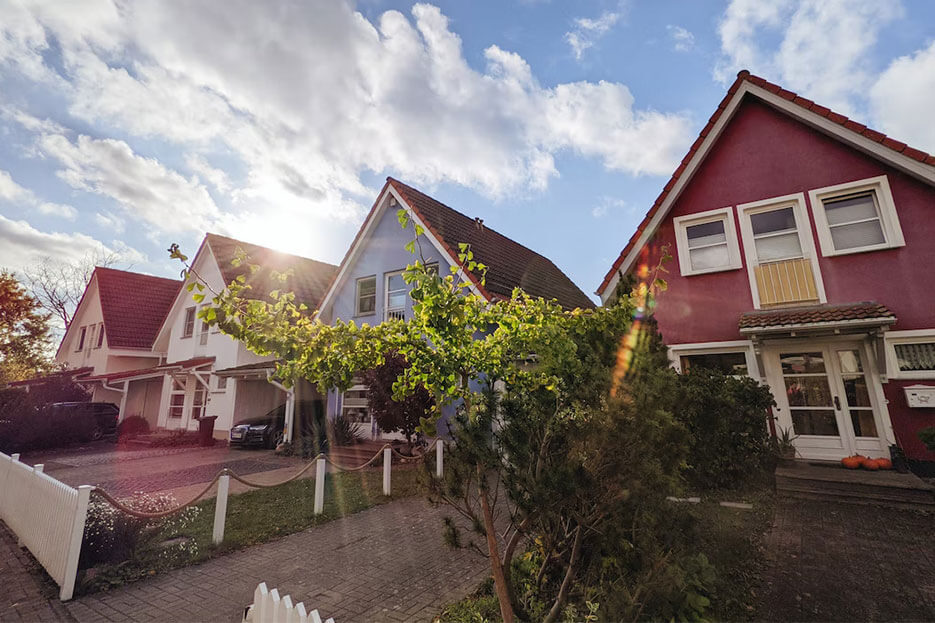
<point x="229" y="472"/>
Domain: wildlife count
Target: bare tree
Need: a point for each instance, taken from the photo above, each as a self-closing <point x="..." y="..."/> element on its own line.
<point x="59" y="285"/>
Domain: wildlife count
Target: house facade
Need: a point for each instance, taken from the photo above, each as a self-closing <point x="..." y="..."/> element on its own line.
<point x="803" y="245"/>
<point x="369" y="287"/>
<point x="114" y="327"/>
<point x="200" y="372"/>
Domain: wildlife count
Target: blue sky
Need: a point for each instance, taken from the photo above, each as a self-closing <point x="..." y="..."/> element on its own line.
<point x="130" y="126"/>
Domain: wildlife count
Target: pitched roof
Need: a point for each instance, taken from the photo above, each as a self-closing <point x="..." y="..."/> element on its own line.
<point x="816" y="314"/>
<point x="134" y="306"/>
<point x="896" y="147"/>
<point x="309" y="281"/>
<point x="187" y="364"/>
<point x="509" y="264"/>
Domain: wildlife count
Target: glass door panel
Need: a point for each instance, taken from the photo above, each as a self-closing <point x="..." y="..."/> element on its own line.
<point x="808" y="394"/>
<point x="856" y="393"/>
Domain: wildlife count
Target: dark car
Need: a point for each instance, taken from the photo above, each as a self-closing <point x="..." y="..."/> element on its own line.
<point x="266" y="431"/>
<point x="60" y="422"/>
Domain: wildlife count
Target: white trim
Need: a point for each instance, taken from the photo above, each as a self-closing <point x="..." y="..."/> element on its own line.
<point x="904" y="163"/>
<point x="712" y="348"/>
<point x="797" y="202"/>
<point x="357" y="312"/>
<point x="682" y="223"/>
<point x="886" y="209"/>
<point x="913" y="336"/>
<point x="171" y="317"/>
<point x="365" y="232"/>
<point x="386" y="294"/>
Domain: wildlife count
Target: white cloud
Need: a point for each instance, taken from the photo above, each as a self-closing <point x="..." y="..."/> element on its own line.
<point x="587" y="31"/>
<point x="22" y="245"/>
<point x="903" y="97"/>
<point x="143" y="187"/>
<point x="306" y="99"/>
<point x="606" y="205"/>
<point x="682" y="39"/>
<point x="9" y="189"/>
<point x="823" y="45"/>
<point x="110" y="221"/>
<point x="60" y="210"/>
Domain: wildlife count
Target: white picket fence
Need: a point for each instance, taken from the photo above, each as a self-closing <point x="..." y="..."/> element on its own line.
<point x="269" y="607"/>
<point x="47" y="516"/>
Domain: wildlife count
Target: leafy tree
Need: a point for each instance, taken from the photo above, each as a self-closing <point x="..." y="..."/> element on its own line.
<point x="396" y="414"/>
<point x="457" y="346"/>
<point x="24" y="332"/>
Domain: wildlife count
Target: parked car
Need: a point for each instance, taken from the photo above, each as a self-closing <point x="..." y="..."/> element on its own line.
<point x="60" y="422"/>
<point x="266" y="430"/>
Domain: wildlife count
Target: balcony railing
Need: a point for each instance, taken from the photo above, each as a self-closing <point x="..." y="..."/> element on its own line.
<point x="785" y="282"/>
<point x="395" y="314"/>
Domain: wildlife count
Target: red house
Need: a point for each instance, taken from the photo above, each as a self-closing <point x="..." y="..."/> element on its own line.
<point x="804" y="256"/>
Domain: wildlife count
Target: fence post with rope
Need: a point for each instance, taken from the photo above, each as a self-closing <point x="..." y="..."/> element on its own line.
<point x="387" y="466"/>
<point x="220" y="508"/>
<point x="439" y="457"/>
<point x="320" y="466"/>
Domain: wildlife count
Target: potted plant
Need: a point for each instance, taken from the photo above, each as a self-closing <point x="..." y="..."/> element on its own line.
<point x="784" y="446"/>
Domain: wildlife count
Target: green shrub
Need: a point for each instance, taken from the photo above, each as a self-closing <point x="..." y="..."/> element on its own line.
<point x="727" y="420"/>
<point x="132" y="427"/>
<point x="343" y="432"/>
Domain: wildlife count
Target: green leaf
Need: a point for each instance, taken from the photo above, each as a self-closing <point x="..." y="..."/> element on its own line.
<point x="198" y="298"/>
<point x="411" y="246"/>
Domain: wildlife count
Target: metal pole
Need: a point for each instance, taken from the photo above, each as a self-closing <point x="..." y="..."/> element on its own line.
<point x="439" y="458"/>
<point x="387" y="463"/>
<point x="320" y="486"/>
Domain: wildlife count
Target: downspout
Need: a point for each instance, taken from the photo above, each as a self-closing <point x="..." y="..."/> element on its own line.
<point x="123" y="397"/>
<point x="288" y="425"/>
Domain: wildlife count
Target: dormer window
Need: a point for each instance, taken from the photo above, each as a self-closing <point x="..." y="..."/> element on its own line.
<point x="856" y="217"/>
<point x="707" y="242"/>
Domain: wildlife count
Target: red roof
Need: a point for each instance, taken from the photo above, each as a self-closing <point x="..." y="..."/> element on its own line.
<point x="134" y="306"/>
<point x="509" y="264"/>
<point x="815" y="314"/>
<point x="309" y="281"/>
<point x="73" y="372"/>
<point x="807" y="104"/>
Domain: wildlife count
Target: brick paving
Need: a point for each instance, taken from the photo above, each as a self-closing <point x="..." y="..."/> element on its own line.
<point x="28" y="593"/>
<point x="828" y="561"/>
<point x="387" y="563"/>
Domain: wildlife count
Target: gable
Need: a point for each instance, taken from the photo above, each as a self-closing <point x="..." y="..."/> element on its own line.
<point x="896" y="154"/>
<point x="134" y="306"/>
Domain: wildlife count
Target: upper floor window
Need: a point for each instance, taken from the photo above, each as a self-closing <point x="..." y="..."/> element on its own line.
<point x="81" y="335"/>
<point x="855" y="217"/>
<point x="780" y="253"/>
<point x="100" y="335"/>
<point x="707" y="242"/>
<point x="396" y="292"/>
<point x="203" y="336"/>
<point x="366" y="296"/>
<point x="188" y="329"/>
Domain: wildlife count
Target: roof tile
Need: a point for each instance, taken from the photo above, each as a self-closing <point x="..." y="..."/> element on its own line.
<point x="134" y="306"/>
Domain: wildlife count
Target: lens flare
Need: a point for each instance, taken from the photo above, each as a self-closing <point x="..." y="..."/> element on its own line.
<point x="632" y="338"/>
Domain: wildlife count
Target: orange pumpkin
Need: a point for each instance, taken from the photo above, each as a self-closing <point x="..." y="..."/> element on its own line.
<point x="885" y="463"/>
<point x="870" y="464"/>
<point x="851" y="462"/>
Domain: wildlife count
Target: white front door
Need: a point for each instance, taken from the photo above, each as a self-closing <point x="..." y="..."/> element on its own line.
<point x="826" y="396"/>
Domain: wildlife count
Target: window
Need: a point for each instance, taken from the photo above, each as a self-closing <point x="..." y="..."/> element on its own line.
<point x="221" y="383"/>
<point x="199" y="399"/>
<point x="100" y="335"/>
<point x="177" y="397"/>
<point x="203" y="337"/>
<point x="396" y="292"/>
<point x="366" y="296"/>
<point x="81" y="335"/>
<point x="856" y="217"/>
<point x="355" y="407"/>
<point x="728" y="363"/>
<point x="707" y="242"/>
<point x="910" y="354"/>
<point x="188" y="328"/>
<point x="781" y="261"/>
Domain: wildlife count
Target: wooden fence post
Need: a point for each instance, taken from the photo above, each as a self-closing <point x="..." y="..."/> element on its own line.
<point x="439" y="458"/>
<point x="220" y="509"/>
<point x="15" y="456"/>
<point x="387" y="462"/>
<point x="38" y="468"/>
<point x="320" y="486"/>
<point x="74" y="543"/>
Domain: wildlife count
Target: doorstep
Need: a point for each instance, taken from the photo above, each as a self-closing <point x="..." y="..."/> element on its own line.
<point x="831" y="481"/>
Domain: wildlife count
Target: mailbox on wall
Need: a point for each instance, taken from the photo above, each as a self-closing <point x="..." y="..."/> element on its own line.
<point x="920" y="396"/>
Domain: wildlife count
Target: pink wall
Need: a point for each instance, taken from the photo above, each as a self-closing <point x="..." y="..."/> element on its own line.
<point x="764" y="154"/>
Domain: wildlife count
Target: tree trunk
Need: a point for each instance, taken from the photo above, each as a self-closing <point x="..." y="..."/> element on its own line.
<point x="499" y="579"/>
<point x="566" y="582"/>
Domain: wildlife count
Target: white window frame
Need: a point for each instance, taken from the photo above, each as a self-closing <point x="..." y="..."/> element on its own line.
<point x="682" y="223"/>
<point x="803" y="226"/>
<point x="357" y="311"/>
<point x="676" y="351"/>
<point x="203" y="334"/>
<point x="100" y="336"/>
<point x="914" y="336"/>
<point x="220" y="384"/>
<point x="82" y="335"/>
<point x="387" y="310"/>
<point x="188" y="330"/>
<point x="886" y="208"/>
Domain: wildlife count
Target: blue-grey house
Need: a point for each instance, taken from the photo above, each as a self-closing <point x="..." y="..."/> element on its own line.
<point x="369" y="287"/>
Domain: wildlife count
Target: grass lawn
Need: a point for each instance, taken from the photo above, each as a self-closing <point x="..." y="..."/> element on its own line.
<point x="259" y="516"/>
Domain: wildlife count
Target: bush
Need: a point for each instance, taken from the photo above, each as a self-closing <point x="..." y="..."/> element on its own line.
<point x="927" y="435"/>
<point x="132" y="427"/>
<point x="112" y="537"/>
<point x="20" y="429"/>
<point x="307" y="447"/>
<point x="343" y="432"/>
<point x="177" y="438"/>
<point x="727" y="421"/>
